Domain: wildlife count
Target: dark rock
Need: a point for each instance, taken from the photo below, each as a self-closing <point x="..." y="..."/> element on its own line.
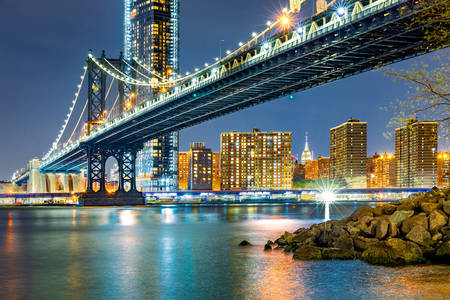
<point x="406" y="252"/>
<point x="379" y="254"/>
<point x="420" y="219"/>
<point x="428" y="207"/>
<point x="419" y="235"/>
<point x="393" y="230"/>
<point x="437" y="220"/>
<point x="437" y="237"/>
<point x="389" y="209"/>
<point x="289" y="248"/>
<point x="445" y="233"/>
<point x="281" y="242"/>
<point x="245" y="243"/>
<point x="446" y="207"/>
<point x="344" y="241"/>
<point x="337" y="253"/>
<point x="443" y="252"/>
<point x="378" y="211"/>
<point x="362" y="243"/>
<point x="268" y="245"/>
<point x="362" y="212"/>
<point x="400" y="215"/>
<point x="308" y="253"/>
<point x="381" y="228"/>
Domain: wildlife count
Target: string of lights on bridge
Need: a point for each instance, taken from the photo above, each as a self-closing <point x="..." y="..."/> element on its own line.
<point x="283" y="22"/>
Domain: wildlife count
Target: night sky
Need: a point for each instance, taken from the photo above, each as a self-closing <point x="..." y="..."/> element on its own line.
<point x="44" y="45"/>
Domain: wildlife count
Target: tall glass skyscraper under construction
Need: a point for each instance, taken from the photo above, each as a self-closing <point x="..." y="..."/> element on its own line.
<point x="152" y="36"/>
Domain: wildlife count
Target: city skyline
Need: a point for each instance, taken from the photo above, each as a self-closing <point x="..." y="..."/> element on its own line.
<point x="304" y="113"/>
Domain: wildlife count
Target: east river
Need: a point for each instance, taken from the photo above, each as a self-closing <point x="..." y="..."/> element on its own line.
<point x="186" y="252"/>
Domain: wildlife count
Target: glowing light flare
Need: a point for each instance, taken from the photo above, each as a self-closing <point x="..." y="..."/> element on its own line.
<point x="328" y="196"/>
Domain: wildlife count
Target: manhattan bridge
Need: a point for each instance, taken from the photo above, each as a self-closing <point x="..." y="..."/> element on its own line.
<point x="291" y="55"/>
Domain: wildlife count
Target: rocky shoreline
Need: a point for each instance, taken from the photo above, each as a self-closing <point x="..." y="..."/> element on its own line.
<point x="414" y="230"/>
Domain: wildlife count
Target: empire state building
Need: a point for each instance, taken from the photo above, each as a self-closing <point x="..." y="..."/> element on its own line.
<point x="306" y="155"/>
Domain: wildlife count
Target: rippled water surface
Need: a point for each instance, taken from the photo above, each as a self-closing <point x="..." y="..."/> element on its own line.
<point x="186" y="253"/>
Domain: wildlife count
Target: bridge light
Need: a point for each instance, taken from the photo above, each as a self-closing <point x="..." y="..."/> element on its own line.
<point x="291" y="97"/>
<point x="285" y="20"/>
<point x="285" y="10"/>
<point x="300" y="30"/>
<point x="228" y="51"/>
<point x="269" y="23"/>
<point x="240" y="44"/>
<point x="341" y="10"/>
<point x="266" y="46"/>
<point x="187" y="73"/>
<point x="254" y="34"/>
<point x="196" y="69"/>
<point x="206" y="64"/>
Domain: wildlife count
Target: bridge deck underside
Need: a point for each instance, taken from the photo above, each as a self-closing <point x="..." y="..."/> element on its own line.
<point x="363" y="45"/>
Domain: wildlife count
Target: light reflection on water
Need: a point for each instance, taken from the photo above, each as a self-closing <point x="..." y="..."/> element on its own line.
<point x="183" y="253"/>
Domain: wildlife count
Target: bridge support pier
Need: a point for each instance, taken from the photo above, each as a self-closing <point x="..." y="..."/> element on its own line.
<point x="96" y="194"/>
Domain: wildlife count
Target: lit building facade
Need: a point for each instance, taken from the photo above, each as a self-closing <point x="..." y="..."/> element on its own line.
<point x="323" y="164"/>
<point x="216" y="181"/>
<point x="416" y="156"/>
<point x="183" y="170"/>
<point x="312" y="170"/>
<point x="443" y="169"/>
<point x="200" y="167"/>
<point x="385" y="171"/>
<point x="306" y="154"/>
<point x="256" y="160"/>
<point x="348" y="154"/>
<point x="152" y="35"/>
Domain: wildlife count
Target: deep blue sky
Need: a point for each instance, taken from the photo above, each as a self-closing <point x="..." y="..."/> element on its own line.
<point x="44" y="45"/>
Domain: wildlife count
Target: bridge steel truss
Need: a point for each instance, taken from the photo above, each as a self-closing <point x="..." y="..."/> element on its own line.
<point x="380" y="38"/>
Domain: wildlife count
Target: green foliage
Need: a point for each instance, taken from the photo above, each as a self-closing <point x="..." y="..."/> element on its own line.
<point x="305" y="184"/>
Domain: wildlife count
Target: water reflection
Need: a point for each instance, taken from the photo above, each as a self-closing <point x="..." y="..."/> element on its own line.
<point x="185" y="252"/>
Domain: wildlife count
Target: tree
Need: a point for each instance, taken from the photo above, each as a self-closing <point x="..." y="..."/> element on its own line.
<point x="428" y="94"/>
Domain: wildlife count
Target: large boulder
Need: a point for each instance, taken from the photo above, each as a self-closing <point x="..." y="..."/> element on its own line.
<point x="362" y="212"/>
<point x="306" y="252"/>
<point x="389" y="209"/>
<point x="343" y="241"/>
<point x="288" y="237"/>
<point x="393" y="252"/>
<point x="420" y="219"/>
<point x="362" y="243"/>
<point x="419" y="235"/>
<point x="437" y="220"/>
<point x="429" y="207"/>
<point x="400" y="215"/>
<point x="379" y="254"/>
<point x="393" y="231"/>
<point x="445" y="233"/>
<point x="337" y="253"/>
<point x="381" y="228"/>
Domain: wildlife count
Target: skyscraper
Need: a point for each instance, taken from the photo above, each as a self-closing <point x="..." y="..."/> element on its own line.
<point x="324" y="167"/>
<point x="306" y="155"/>
<point x="216" y="184"/>
<point x="348" y="154"/>
<point x="152" y="36"/>
<point x="384" y="171"/>
<point x="416" y="154"/>
<point x="183" y="170"/>
<point x="256" y="160"/>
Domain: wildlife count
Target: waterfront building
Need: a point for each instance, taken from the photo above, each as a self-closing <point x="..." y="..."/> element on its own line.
<point x="323" y="164"/>
<point x="312" y="170"/>
<point x="200" y="167"/>
<point x="298" y="172"/>
<point x="256" y="160"/>
<point x="416" y="156"/>
<point x="152" y="35"/>
<point x="306" y="155"/>
<point x="348" y="154"/>
<point x="371" y="177"/>
<point x="183" y="170"/>
<point x="443" y="169"/>
<point x="216" y="181"/>
<point x="384" y="171"/>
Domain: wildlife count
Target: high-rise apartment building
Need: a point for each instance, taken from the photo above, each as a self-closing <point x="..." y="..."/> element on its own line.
<point x="216" y="182"/>
<point x="348" y="154"/>
<point x="384" y="171"/>
<point x="152" y="36"/>
<point x="416" y="154"/>
<point x="183" y="170"/>
<point x="312" y="170"/>
<point x="200" y="167"/>
<point x="256" y="160"/>
<point x="443" y="169"/>
<point x="323" y="164"/>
